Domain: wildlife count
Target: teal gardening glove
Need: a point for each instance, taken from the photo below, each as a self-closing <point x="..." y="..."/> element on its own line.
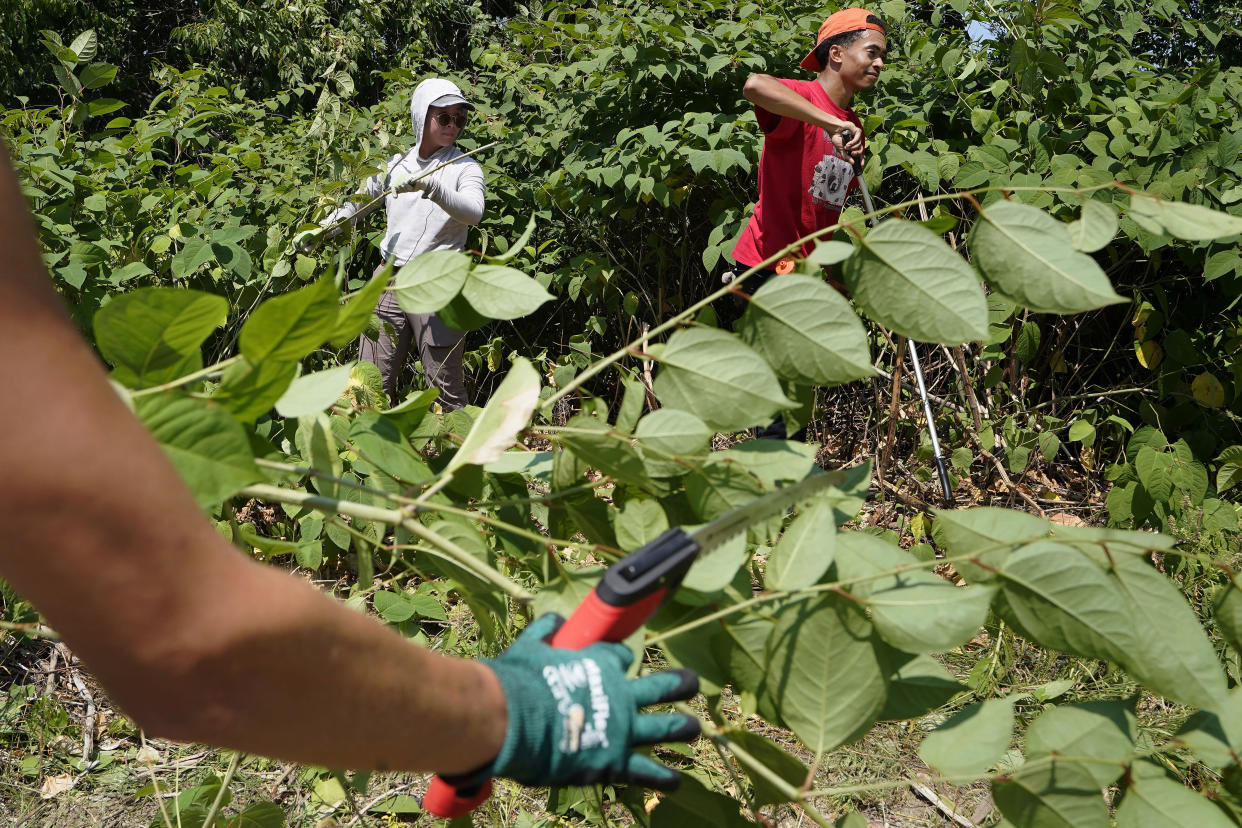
<point x="573" y="714"/>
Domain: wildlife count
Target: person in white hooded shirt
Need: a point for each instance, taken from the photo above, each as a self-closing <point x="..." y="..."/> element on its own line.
<point x="424" y="214"/>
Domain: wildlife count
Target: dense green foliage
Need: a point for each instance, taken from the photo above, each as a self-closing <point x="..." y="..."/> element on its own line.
<point x="1081" y="161"/>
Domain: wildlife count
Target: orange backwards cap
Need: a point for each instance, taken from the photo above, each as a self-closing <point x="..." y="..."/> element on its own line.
<point x="846" y="20"/>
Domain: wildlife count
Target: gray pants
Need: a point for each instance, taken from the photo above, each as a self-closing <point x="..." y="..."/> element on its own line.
<point x="439" y="347"/>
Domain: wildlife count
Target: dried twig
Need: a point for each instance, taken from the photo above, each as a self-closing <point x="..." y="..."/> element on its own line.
<point x="88" y="720"/>
<point x="940" y="805"/>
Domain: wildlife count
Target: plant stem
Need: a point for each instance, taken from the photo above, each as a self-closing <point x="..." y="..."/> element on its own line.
<point x="188" y="378"/>
<point x="224" y="787"/>
<point x="448" y="549"/>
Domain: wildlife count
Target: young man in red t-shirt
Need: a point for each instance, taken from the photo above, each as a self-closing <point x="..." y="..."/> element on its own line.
<point x="806" y="167"/>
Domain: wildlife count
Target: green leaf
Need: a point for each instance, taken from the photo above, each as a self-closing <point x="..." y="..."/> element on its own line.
<point x="85" y="45"/>
<point x="1180" y="662"/>
<point x="353" y="318"/>
<point x="775" y="759"/>
<point x="715" y="570"/>
<point x="1227" y="610"/>
<point x="1059" y="598"/>
<point x="503" y="293"/>
<point x="97" y="75"/>
<point x="153" y="335"/>
<point x="805" y="550"/>
<point x="1095" y="228"/>
<point x="823" y="673"/>
<point x="258" y="815"/>
<point x="806" y="331"/>
<point x="1053" y="795"/>
<point x="1154" y="472"/>
<point x="287" y="328"/>
<point x="1027" y="344"/>
<point x="393" y="607"/>
<point x="914" y="610"/>
<point x="600" y="446"/>
<point x="638" y="522"/>
<point x="312" y="393"/>
<point x="1215" y="735"/>
<point x="1229" y="474"/>
<point x="1029" y="256"/>
<point x="667" y="434"/>
<point x="917" y="684"/>
<point x="906" y="278"/>
<point x="694" y="806"/>
<point x="1152" y="800"/>
<point x="1183" y="221"/>
<point x="988" y="532"/>
<point x="431" y="281"/>
<point x="383" y="450"/>
<point x="718" y="487"/>
<point x="193" y="254"/>
<point x="507" y="413"/>
<point x="1082" y="431"/>
<point x="206" y="445"/>
<point x="714" y="376"/>
<point x="773" y="461"/>
<point x="828" y="253"/>
<point x="972" y="740"/>
<point x="317" y="444"/>
<point x="250" y="391"/>
<point x="1099" y="730"/>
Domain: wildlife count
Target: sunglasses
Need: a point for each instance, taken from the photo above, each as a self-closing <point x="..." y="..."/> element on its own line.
<point x="446" y="118"/>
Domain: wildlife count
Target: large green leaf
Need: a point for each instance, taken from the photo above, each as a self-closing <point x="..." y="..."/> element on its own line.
<point x="289" y="327"/>
<point x="988" y="532"/>
<point x="807" y="331"/>
<point x="431" y="281"/>
<point x="716" y="377"/>
<point x="1102" y="731"/>
<point x="914" y="610"/>
<point x="775" y="759"/>
<point x="353" y="318"/>
<point x="500" y="292"/>
<point x="315" y="392"/>
<point x="823" y="672"/>
<point x="715" y="570"/>
<point x="1095" y="228"/>
<point x="1051" y="795"/>
<point x="805" y="551"/>
<point x="972" y="740"/>
<point x="1227" y="611"/>
<point x="208" y="447"/>
<point x="906" y="278"/>
<point x="1180" y="662"/>
<point x="639" y="521"/>
<point x="1184" y="221"/>
<point x="193" y="254"/>
<point x="671" y="442"/>
<point x="1153" y="800"/>
<point x="1215" y="735"/>
<point x="258" y="815"/>
<point x="250" y="391"/>
<point x="917" y="684"/>
<point x="694" y="806"/>
<point x="1061" y="599"/>
<point x="507" y="413"/>
<point x="154" y="335"/>
<point x="383" y="451"/>
<point x="317" y="444"/>
<point x="773" y="461"/>
<point x="1029" y="256"/>
<point x="717" y="487"/>
<point x="600" y="446"/>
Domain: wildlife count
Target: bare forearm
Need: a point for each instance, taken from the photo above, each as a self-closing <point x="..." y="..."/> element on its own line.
<point x="768" y="92"/>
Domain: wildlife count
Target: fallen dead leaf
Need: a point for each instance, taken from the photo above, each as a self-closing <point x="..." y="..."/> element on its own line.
<point x="147" y="755"/>
<point x="1066" y="519"/>
<point x="54" y="785"/>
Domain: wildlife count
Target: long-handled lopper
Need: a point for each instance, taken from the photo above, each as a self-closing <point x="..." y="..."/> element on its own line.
<point x="945" y="488"/>
<point x="630" y="593"/>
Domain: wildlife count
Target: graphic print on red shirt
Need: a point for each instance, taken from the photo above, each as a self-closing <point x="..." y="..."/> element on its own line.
<point x="802" y="180"/>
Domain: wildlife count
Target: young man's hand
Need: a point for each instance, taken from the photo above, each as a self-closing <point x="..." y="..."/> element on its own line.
<point x="573" y="716"/>
<point x="836" y="134"/>
<point x="308" y="240"/>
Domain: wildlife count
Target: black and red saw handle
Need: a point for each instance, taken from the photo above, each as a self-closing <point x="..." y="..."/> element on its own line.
<point x="629" y="593"/>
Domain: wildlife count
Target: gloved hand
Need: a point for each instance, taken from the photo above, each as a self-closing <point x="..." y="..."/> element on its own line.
<point x="573" y="715"/>
<point x="308" y="240"/>
<point x="414" y="183"/>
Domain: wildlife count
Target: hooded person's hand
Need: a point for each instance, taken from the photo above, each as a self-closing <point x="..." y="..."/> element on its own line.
<point x="308" y="240"/>
<point x="415" y="183"/>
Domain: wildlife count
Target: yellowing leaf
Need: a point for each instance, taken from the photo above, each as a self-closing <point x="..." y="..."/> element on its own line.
<point x="1149" y="353"/>
<point x="1208" y="390"/>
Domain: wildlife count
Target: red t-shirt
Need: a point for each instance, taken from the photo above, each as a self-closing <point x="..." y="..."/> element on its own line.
<point x="802" y="180"/>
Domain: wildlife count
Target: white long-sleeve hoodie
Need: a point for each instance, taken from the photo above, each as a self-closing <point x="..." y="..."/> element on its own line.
<point x="439" y="217"/>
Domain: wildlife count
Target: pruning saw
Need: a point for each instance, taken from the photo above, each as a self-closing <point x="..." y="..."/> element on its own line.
<point x="631" y="591"/>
